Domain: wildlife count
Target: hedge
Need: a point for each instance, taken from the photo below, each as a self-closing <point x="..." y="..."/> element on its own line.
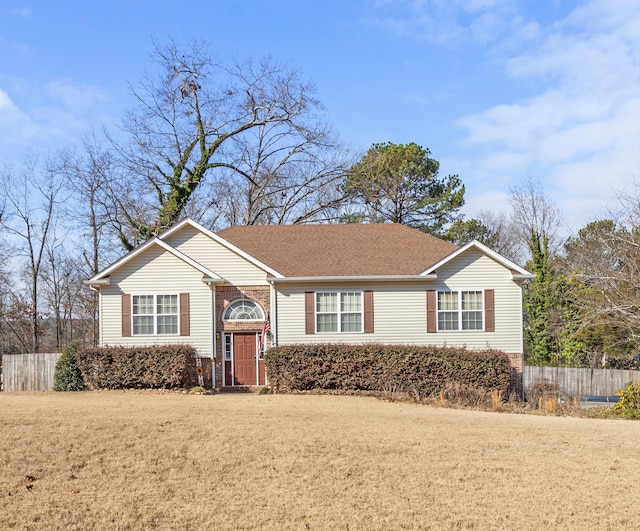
<point x="155" y="367"/>
<point x="373" y="367"/>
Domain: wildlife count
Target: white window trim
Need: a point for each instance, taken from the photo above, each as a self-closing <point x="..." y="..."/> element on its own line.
<point x="155" y="314"/>
<point x="224" y="347"/>
<point x="338" y="312"/>
<point x="459" y="310"/>
<point x="225" y="360"/>
<point x="226" y="310"/>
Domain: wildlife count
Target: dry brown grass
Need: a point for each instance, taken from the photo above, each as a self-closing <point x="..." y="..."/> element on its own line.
<point x="145" y="460"/>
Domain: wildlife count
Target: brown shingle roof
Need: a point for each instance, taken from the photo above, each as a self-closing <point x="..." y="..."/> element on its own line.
<point x="339" y="250"/>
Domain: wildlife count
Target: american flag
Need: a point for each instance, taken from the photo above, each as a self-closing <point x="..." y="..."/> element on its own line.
<point x="265" y="330"/>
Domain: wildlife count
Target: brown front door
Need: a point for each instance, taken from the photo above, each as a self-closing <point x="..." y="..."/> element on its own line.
<point x="244" y="359"/>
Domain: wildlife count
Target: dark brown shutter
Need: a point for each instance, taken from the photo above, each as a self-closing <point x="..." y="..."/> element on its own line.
<point x="431" y="311"/>
<point x="126" y="315"/>
<point x="489" y="311"/>
<point x="184" y="315"/>
<point x="368" y="312"/>
<point x="309" y="313"/>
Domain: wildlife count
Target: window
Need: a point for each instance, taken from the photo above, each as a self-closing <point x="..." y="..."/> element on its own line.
<point x="339" y="311"/>
<point x="460" y="310"/>
<point x="155" y="315"/>
<point x="243" y="310"/>
<point x="228" y="346"/>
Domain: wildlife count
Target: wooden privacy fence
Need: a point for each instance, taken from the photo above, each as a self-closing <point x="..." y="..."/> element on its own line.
<point x="28" y="372"/>
<point x="580" y="382"/>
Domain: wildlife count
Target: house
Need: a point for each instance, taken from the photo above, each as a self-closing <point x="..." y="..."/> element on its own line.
<point x="356" y="283"/>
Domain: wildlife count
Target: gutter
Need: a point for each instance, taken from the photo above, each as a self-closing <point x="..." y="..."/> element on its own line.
<point x="372" y="278"/>
<point x="99" y="282"/>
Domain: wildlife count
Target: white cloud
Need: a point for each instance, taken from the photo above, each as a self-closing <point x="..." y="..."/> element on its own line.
<point x="581" y="133"/>
<point x="47" y="117"/>
<point x="74" y="97"/>
<point x="13" y="121"/>
<point x="444" y="23"/>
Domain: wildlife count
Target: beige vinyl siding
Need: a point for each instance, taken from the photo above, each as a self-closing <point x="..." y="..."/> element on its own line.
<point x="475" y="271"/>
<point x="400" y="308"/>
<point x="157" y="271"/>
<point x="207" y="252"/>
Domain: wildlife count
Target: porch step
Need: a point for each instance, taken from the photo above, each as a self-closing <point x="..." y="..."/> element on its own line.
<point x="242" y="389"/>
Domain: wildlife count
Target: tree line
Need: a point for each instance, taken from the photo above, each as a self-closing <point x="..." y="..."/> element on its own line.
<point x="247" y="142"/>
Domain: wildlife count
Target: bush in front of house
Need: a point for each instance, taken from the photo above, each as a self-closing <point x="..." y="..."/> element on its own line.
<point x="154" y="367"/>
<point x="67" y="376"/>
<point x="421" y="371"/>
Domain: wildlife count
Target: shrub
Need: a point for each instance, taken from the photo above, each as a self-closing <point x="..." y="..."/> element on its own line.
<point x="624" y="363"/>
<point x="629" y="398"/>
<point x="420" y="371"/>
<point x="155" y="367"/>
<point x="67" y="375"/>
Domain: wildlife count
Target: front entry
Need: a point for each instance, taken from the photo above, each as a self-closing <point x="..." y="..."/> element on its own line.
<point x="244" y="359"/>
<point x="241" y="366"/>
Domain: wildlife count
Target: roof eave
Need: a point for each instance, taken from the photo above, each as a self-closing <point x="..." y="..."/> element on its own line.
<point x="520" y="276"/>
<point x="355" y="278"/>
<point x="97" y="282"/>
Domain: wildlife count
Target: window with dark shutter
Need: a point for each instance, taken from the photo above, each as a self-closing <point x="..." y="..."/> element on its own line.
<point x="185" y="328"/>
<point x="309" y="312"/>
<point x="431" y="311"/>
<point x="368" y="312"/>
<point x="489" y="312"/>
<point x="126" y="315"/>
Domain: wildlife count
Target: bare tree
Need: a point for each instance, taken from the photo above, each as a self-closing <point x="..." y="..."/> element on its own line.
<point x="605" y="257"/>
<point x="32" y="200"/>
<point x="240" y="125"/>
<point x="282" y="176"/>
<point x="536" y="219"/>
<point x="88" y="174"/>
<point x="534" y="212"/>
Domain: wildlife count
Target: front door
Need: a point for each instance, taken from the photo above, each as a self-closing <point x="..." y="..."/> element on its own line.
<point x="244" y="359"/>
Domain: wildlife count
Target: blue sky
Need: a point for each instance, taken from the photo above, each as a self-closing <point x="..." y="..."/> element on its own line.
<point x="496" y="89"/>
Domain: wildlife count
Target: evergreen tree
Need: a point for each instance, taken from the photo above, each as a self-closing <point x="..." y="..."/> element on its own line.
<point x="540" y="343"/>
<point x="67" y="375"/>
<point x="400" y="183"/>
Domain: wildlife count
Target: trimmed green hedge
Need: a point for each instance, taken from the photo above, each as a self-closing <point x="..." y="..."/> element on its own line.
<point x="423" y="371"/>
<point x="156" y="367"/>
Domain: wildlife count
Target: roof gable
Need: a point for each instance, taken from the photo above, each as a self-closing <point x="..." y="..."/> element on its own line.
<point x="207" y="273"/>
<point x="229" y="245"/>
<point x="517" y="272"/>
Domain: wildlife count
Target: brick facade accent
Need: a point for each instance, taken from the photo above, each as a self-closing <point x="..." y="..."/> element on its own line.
<point x="515" y="375"/>
<point x="226" y="295"/>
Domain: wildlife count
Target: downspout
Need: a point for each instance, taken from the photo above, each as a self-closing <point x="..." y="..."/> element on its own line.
<point x="100" y="319"/>
<point x="274" y="312"/>
<point x="273" y="307"/>
<point x="214" y="354"/>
